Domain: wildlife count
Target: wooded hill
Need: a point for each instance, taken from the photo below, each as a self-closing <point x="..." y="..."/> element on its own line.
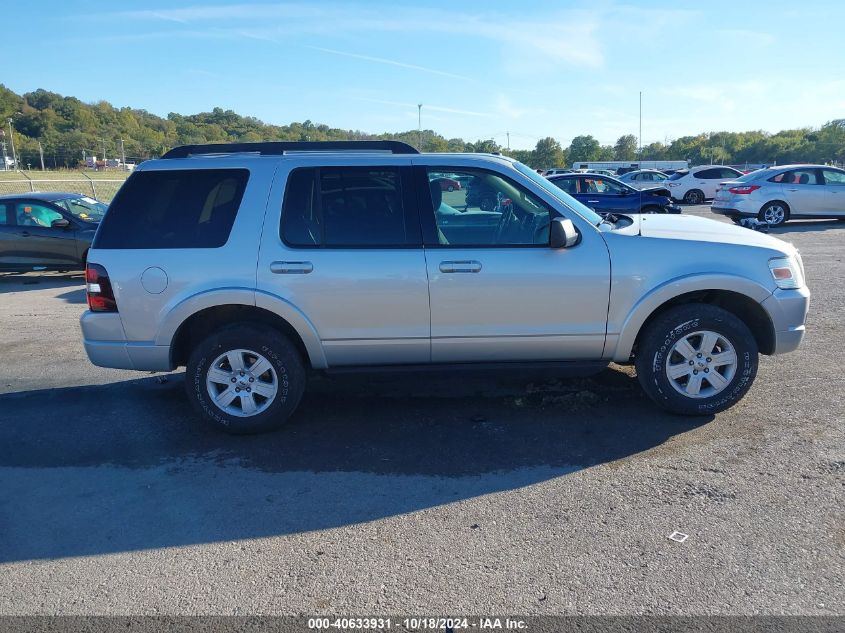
<point x="65" y="126"/>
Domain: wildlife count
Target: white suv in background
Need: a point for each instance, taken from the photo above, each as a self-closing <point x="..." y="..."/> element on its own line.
<point x="697" y="184"/>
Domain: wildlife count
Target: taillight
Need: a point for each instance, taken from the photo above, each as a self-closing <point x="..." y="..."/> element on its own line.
<point x="744" y="189"/>
<point x="100" y="293"/>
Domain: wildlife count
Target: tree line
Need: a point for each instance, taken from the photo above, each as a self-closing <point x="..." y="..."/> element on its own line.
<point x="65" y="127"/>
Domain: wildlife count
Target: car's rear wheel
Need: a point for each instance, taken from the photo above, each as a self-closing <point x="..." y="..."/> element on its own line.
<point x="774" y="213"/>
<point x="450" y="188"/>
<point x="694" y="196"/>
<point x="696" y="359"/>
<point x="245" y="379"/>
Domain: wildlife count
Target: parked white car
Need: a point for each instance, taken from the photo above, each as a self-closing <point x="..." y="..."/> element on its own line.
<point x="557" y="171"/>
<point x="644" y="178"/>
<point x="697" y="184"/>
<point x="778" y="194"/>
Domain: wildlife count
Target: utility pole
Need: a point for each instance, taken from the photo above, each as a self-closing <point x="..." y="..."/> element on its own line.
<point x="12" y="140"/>
<point x="122" y="154"/>
<point x="640" y="139"/>
<point x="509" y="140"/>
<point x="41" y="155"/>
<point x="104" y="151"/>
<point x="419" y="123"/>
<point x="5" y="164"/>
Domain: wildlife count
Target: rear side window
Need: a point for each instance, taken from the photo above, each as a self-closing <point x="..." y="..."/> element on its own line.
<point x="5" y="219"/>
<point x="190" y="208"/>
<point x="679" y="174"/>
<point x="347" y="207"/>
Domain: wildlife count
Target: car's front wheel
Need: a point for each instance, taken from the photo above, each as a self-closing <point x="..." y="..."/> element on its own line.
<point x="696" y="359"/>
<point x="245" y="379"/>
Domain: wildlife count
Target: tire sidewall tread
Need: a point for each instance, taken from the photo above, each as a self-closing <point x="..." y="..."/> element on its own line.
<point x="276" y="348"/>
<point x="666" y="330"/>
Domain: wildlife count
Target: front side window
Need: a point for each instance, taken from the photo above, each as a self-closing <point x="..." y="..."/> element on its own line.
<point x="832" y="177"/>
<point x="600" y="185"/>
<point x="5" y="217"/>
<point x="182" y="208"/>
<point x="36" y="215"/>
<point x="569" y="185"/>
<point x="491" y="210"/>
<point x="347" y="207"/>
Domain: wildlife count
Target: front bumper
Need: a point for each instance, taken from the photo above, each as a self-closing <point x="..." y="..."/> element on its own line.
<point x="788" y="311"/>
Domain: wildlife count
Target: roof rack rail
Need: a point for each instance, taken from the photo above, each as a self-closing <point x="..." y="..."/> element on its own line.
<point x="277" y="148"/>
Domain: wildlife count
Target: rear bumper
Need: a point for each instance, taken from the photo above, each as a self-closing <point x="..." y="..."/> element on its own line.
<point x="106" y="345"/>
<point x="732" y="212"/>
<point x="788" y="311"/>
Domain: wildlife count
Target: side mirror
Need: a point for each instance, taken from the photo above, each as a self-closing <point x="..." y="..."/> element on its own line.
<point x="61" y="223"/>
<point x="563" y="233"/>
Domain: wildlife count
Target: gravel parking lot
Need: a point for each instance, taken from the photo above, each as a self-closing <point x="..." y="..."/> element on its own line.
<point x="405" y="493"/>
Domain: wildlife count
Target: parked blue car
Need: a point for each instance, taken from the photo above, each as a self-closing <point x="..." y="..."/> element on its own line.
<point x="604" y="194"/>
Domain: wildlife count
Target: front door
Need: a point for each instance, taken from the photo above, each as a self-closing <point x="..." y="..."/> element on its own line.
<point x="347" y="253"/>
<point x="498" y="291"/>
<point x="834" y="184"/>
<point x="38" y="243"/>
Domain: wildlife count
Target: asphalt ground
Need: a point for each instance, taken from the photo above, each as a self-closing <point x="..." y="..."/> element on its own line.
<point x="399" y="493"/>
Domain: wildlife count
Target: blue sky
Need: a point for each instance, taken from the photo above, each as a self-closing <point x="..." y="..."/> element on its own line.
<point x="479" y="68"/>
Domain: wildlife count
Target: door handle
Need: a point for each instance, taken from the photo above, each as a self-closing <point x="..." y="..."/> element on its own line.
<point x="25" y="233"/>
<point x="792" y="190"/>
<point x="291" y="268"/>
<point x="593" y="201"/>
<point x="461" y="266"/>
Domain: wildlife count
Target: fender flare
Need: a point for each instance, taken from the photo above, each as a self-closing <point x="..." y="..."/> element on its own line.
<point x="676" y="287"/>
<point x="185" y="309"/>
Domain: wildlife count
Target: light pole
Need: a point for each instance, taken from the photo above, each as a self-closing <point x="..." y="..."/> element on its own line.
<point x="12" y="141"/>
<point x="640" y="138"/>
<point x="122" y="154"/>
<point x="419" y="124"/>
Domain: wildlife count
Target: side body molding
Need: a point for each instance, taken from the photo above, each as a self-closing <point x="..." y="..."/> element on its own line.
<point x="632" y="322"/>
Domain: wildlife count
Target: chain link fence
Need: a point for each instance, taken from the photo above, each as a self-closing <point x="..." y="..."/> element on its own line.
<point x="103" y="189"/>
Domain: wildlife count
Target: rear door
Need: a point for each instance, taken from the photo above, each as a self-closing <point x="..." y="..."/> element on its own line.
<point x="39" y="243"/>
<point x="804" y="191"/>
<point x="343" y="245"/>
<point x="834" y="184"/>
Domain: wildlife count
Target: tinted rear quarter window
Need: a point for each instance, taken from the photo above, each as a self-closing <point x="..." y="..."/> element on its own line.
<point x="679" y="174"/>
<point x="186" y="208"/>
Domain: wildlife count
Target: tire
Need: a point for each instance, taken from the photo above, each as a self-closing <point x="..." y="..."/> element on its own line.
<point x="651" y="208"/>
<point x="736" y="219"/>
<point x="450" y="188"/>
<point x="657" y="352"/>
<point x="777" y="211"/>
<point x="694" y="196"/>
<point x="486" y="204"/>
<point x="284" y="376"/>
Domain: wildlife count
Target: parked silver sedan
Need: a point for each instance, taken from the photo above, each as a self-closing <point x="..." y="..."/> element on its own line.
<point x="778" y="194"/>
<point x="644" y="178"/>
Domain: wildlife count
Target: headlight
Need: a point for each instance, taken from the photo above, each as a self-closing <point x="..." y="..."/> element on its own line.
<point x="786" y="272"/>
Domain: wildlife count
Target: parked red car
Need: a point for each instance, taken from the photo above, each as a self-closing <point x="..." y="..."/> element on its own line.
<point x="447" y="184"/>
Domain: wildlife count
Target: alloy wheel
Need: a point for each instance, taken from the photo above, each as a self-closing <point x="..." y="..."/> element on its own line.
<point x="701" y="364"/>
<point x="242" y="383"/>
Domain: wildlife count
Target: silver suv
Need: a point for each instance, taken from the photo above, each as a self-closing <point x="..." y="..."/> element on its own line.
<point x="252" y="263"/>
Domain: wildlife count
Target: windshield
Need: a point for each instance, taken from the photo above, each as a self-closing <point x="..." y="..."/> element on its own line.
<point x="557" y="193"/>
<point x="85" y="208"/>
<point x="679" y="174"/>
